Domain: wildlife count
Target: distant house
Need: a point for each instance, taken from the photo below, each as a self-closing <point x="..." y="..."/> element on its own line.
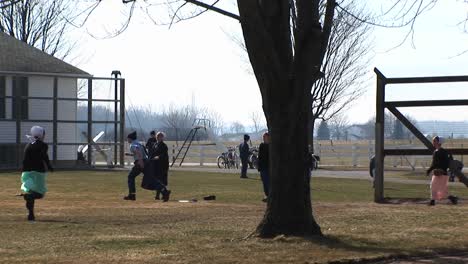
<point x="29" y="80"/>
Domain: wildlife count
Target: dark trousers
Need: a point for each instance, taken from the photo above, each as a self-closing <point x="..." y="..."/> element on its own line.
<point x="265" y="176"/>
<point x="245" y="165"/>
<point x="164" y="177"/>
<point x="30" y="198"/>
<point x="134" y="172"/>
<point x="152" y="179"/>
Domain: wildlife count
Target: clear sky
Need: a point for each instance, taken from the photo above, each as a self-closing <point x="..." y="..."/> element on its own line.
<point x="197" y="60"/>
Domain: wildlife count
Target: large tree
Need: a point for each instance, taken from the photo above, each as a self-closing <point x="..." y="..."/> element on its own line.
<point x="286" y="42"/>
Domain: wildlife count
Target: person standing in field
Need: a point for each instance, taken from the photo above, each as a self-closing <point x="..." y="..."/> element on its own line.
<point x="439" y="166"/>
<point x="36" y="163"/>
<point x="161" y="156"/>
<point x="244" y="156"/>
<point x="151" y="141"/>
<point x="264" y="164"/>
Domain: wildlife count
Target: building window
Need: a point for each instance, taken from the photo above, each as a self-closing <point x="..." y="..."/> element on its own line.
<point x="20" y="88"/>
<point x="8" y="156"/>
<point x="2" y="94"/>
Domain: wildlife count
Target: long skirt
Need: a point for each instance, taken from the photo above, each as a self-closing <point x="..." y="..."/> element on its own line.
<point x="439" y="187"/>
<point x="33" y="181"/>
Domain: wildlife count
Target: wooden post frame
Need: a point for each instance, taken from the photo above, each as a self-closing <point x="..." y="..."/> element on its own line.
<point x="379" y="138"/>
<point x="381" y="104"/>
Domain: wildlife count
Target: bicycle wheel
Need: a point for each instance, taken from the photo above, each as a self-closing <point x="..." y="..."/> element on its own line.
<point x="221" y="162"/>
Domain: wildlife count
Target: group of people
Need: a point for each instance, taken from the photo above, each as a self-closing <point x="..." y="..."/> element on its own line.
<point x="263" y="161"/>
<point x="152" y="161"/>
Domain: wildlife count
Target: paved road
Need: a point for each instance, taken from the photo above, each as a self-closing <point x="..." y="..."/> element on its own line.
<point x="358" y="174"/>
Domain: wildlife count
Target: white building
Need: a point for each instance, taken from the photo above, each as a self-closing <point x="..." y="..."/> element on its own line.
<point x="32" y="85"/>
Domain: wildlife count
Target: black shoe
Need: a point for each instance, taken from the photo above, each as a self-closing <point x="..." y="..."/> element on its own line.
<point x="432" y="203"/>
<point x="165" y="195"/>
<point x="243" y="177"/>
<point x="130" y="197"/>
<point x="31" y="217"/>
<point x="158" y="196"/>
<point x="453" y="199"/>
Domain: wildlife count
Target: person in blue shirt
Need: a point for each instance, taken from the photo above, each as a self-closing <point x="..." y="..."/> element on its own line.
<point x="244" y="155"/>
<point x="137" y="150"/>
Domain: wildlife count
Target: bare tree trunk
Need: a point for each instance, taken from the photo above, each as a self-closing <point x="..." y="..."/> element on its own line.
<point x="289" y="209"/>
<point x="285" y="73"/>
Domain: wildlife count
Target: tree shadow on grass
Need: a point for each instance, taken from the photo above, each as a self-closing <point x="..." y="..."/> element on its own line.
<point x="390" y="254"/>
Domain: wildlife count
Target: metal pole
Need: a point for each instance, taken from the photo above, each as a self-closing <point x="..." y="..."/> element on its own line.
<point x="16" y="91"/>
<point x="379" y="138"/>
<point x="122" y="122"/>
<point x="116" y="116"/>
<point x="54" y="124"/>
<point x="90" y="120"/>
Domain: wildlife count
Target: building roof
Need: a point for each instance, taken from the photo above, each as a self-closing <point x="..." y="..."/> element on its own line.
<point x="17" y="56"/>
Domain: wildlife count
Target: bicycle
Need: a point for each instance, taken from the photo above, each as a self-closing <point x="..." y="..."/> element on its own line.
<point x="228" y="159"/>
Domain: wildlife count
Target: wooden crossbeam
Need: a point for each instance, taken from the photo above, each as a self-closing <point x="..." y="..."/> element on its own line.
<point x="411" y="127"/>
<point x="426" y="103"/>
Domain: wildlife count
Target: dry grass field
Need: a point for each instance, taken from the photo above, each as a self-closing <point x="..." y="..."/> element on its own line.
<point x="83" y="219"/>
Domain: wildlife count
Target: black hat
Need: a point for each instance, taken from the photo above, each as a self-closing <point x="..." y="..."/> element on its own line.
<point x="246" y="137"/>
<point x="153" y="133"/>
<point x="132" y="135"/>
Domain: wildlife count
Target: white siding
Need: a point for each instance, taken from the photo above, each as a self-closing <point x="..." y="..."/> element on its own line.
<point x="8" y="132"/>
<point x="40" y="87"/>
<point x="67" y="132"/>
<point x="43" y="109"/>
<point x="67" y="89"/>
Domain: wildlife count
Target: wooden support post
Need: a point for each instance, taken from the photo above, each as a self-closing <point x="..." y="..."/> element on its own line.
<point x="90" y="120"/>
<point x="379" y="138"/>
<point x="202" y="155"/>
<point x="411" y="127"/>
<point x="122" y="122"/>
<point x="355" y="154"/>
<point x="54" y="122"/>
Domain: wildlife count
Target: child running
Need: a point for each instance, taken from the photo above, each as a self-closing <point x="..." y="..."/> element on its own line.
<point x="35" y="166"/>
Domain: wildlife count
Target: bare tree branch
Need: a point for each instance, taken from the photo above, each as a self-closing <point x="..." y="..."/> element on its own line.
<point x="39" y="23"/>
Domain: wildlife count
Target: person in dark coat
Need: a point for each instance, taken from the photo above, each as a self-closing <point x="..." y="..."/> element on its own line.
<point x="244" y="155"/>
<point x="151" y="141"/>
<point x="161" y="157"/>
<point x="139" y="154"/>
<point x="440" y="164"/>
<point x="263" y="164"/>
<point x="36" y="163"/>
